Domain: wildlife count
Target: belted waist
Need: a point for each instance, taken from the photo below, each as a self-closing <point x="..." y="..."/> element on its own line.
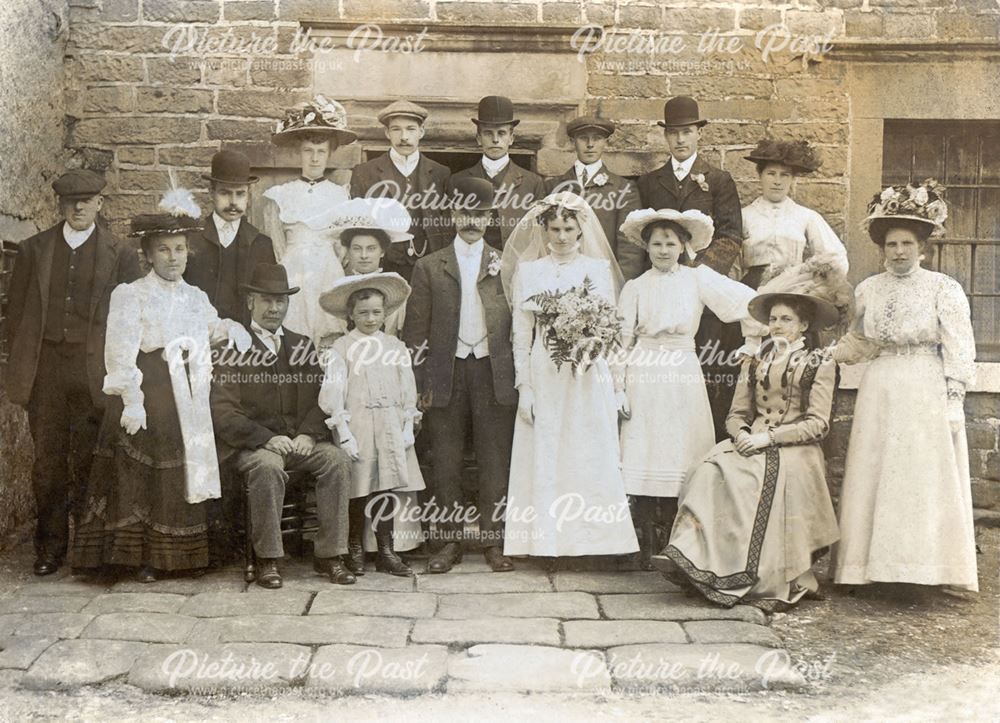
<point x="910" y="349"/>
<point x="381" y="404"/>
<point x="666" y="342"/>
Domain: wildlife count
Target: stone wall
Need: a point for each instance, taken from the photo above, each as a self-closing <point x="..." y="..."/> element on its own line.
<point x="32" y="113"/>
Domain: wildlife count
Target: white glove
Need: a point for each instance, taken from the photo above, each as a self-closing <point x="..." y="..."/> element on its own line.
<point x="621" y="401"/>
<point x="347" y="441"/>
<point x="239" y="337"/>
<point x="408" y="436"/>
<point x="526" y="404"/>
<point x="133" y="418"/>
<point x="956" y="414"/>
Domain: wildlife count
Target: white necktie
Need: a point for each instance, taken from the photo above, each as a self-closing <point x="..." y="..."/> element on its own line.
<point x="271" y="340"/>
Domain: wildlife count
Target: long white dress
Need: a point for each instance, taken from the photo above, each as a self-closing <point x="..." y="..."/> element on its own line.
<point x="566" y="495"/>
<point x="671" y="427"/>
<point x="784" y="234"/>
<point x="906" y="503"/>
<point x="299" y="222"/>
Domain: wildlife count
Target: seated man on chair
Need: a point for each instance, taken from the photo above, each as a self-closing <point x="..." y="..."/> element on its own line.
<point x="268" y="423"/>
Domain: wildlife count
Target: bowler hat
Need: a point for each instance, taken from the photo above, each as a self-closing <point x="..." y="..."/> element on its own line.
<point x="471" y="194"/>
<point x="495" y="110"/>
<point x="78" y="183"/>
<point x="269" y="279"/>
<point x="402" y="108"/>
<point x="589" y="123"/>
<point x="681" y="111"/>
<point x="230" y="167"/>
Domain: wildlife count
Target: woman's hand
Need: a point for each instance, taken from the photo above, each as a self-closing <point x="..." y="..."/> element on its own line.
<point x="133" y="418"/>
<point x="526" y="404"/>
<point x="624" y="410"/>
<point x="747" y="444"/>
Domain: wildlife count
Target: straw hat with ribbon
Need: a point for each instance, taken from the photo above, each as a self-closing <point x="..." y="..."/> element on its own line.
<point x="391" y="285"/>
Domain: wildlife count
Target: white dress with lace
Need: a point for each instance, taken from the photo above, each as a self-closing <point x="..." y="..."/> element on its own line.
<point x="906" y="502"/>
<point x="299" y="222"/>
<point x="153" y="313"/>
<point x="786" y="233"/>
<point x="670" y="428"/>
<point x="566" y="495"/>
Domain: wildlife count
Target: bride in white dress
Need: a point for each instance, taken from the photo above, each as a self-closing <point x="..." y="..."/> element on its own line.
<point x="299" y="215"/>
<point x="566" y="495"/>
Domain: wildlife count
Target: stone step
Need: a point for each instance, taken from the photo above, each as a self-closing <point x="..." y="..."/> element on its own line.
<point x="612" y="582"/>
<point x="518" y="605"/>
<point x="70" y="664"/>
<point x="351" y="669"/>
<point x="672" y="606"/>
<point x="460" y="633"/>
<point x="527" y="668"/>
<point x="486" y="582"/>
<point x="135" y="602"/>
<point x="20" y="652"/>
<point x="304" y="630"/>
<point x="203" y="669"/>
<point x="348" y="601"/>
<point x="146" y="627"/>
<point x="43" y="604"/>
<point x="612" y="633"/>
<point x="225" y="604"/>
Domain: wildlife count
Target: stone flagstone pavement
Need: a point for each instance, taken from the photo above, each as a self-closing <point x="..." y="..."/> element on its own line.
<point x="469" y="630"/>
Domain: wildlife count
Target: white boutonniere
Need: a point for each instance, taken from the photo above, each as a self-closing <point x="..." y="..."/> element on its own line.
<point x="600" y="179"/>
<point x="494" y="266"/>
<point x="699" y="178"/>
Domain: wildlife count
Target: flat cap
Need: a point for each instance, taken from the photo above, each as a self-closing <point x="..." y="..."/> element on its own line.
<point x="589" y="122"/>
<point x="78" y="183"/>
<point x="402" y="107"/>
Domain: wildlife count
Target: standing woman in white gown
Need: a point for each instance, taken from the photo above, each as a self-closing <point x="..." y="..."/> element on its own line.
<point x="906" y="502"/>
<point x="298" y="215"/>
<point x="566" y="495"/>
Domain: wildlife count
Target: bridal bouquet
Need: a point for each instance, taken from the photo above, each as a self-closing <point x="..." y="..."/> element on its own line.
<point x="580" y="325"/>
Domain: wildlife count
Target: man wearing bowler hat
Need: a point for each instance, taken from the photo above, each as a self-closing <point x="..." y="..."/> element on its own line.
<point x="687" y="182"/>
<point x="413" y="179"/>
<point x="59" y="294"/>
<point x="611" y="196"/>
<point x="265" y="405"/>
<point x="458" y="326"/>
<point x="515" y="189"/>
<point x="229" y="247"/>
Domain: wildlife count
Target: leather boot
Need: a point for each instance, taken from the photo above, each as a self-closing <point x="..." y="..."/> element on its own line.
<point x="647" y="544"/>
<point x="354" y="560"/>
<point x="387" y="559"/>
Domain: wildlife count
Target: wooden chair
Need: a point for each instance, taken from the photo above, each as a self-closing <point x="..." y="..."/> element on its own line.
<point x="298" y="520"/>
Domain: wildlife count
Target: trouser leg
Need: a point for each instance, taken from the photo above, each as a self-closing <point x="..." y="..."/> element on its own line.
<point x="266" y="480"/>
<point x="331" y="468"/>
<point x="447" y="426"/>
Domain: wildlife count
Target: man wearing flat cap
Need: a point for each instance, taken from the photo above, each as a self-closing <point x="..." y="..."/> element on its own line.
<point x="59" y="294"/>
<point x="687" y="182"/>
<point x="265" y="406"/>
<point x="611" y="196"/>
<point x="515" y="189"/>
<point x="229" y="247"/>
<point x="458" y="326"/>
<point x="413" y="179"/>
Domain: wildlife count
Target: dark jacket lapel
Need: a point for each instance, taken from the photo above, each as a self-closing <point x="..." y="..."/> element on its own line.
<point x="104" y="265"/>
<point x="449" y="263"/>
<point x="689" y="184"/>
<point x="46" y="249"/>
<point x="668" y="180"/>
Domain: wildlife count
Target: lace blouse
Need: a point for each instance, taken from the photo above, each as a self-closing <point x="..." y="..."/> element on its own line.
<point x="922" y="307"/>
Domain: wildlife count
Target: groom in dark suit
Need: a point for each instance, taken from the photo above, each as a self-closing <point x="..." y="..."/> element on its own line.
<point x="458" y="325"/>
<point x="686" y="182"/>
<point x="515" y="189"/>
<point x="228" y="248"/>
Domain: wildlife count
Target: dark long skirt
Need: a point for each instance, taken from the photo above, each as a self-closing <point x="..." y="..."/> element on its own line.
<point x="135" y="513"/>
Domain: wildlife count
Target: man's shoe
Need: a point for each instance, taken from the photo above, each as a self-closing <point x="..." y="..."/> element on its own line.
<point x="45" y="565"/>
<point x="334" y="569"/>
<point x="497" y="561"/>
<point x="446" y="558"/>
<point x="268" y="575"/>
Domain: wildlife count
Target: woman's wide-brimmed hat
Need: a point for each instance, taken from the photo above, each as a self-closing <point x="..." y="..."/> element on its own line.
<point x="797" y="155"/>
<point x="180" y="214"/>
<point x="923" y="205"/>
<point x="698" y="225"/>
<point x="269" y="279"/>
<point x="390" y="284"/>
<point x="320" y="116"/>
<point x="372" y="214"/>
<point x="817" y="281"/>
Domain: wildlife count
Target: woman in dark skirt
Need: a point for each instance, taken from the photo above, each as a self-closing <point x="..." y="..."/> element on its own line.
<point x="155" y="462"/>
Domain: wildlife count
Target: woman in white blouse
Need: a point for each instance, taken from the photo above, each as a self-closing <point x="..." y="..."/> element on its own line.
<point x="778" y="232"/>
<point x="155" y="462"/>
<point x="668" y="425"/>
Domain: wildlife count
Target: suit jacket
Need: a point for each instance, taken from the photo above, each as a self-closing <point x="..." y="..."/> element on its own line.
<point x="660" y="189"/>
<point x="612" y="202"/>
<point x="432" y="179"/>
<point x="116" y="262"/>
<point x="432" y="317"/>
<point x="519" y="189"/>
<point x="204" y="266"/>
<point x="246" y="395"/>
